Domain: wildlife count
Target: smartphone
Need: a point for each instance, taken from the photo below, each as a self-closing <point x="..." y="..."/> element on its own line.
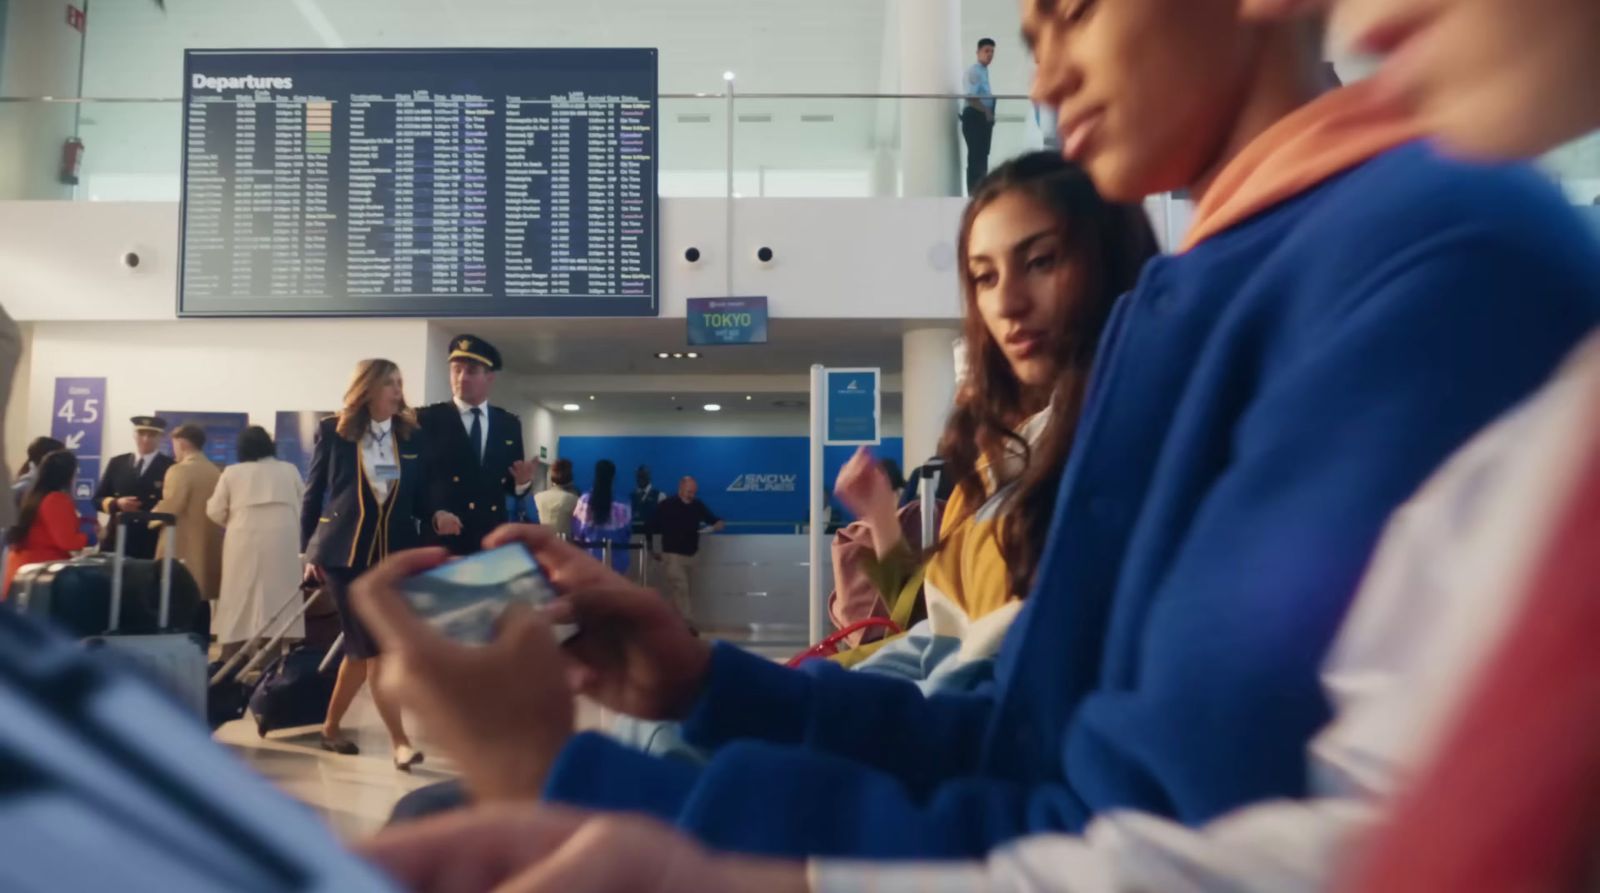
<point x="465" y="598"/>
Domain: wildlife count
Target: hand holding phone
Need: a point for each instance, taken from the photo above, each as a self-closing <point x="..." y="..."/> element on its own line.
<point x="464" y="599"/>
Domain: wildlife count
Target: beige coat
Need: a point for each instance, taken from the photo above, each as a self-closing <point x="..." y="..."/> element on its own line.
<point x="555" y="507"/>
<point x="259" y="504"/>
<point x="199" y="542"/>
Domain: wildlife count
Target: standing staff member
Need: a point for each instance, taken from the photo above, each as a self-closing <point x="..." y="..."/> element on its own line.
<point x="977" y="116"/>
<point x="476" y="458"/>
<point x="365" y="497"/>
<point x="679" y="520"/>
<point x="132" y="483"/>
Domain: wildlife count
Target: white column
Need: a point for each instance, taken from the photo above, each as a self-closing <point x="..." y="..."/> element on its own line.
<point x="928" y="369"/>
<point x="930" y="62"/>
<point x="40" y="58"/>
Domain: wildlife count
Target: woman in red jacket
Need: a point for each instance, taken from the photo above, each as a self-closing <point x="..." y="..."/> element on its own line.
<point x="48" y="527"/>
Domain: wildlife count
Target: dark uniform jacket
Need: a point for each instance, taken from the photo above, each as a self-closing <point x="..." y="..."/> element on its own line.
<point x="458" y="483"/>
<point x="122" y="478"/>
<point x="342" y="524"/>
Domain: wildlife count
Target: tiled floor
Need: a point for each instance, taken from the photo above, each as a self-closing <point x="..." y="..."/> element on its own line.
<point x="355" y="793"/>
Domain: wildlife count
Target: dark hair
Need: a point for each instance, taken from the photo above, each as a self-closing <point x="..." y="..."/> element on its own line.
<point x="256" y="444"/>
<point x="194" y="435"/>
<point x="600" y="496"/>
<point x="986" y="42"/>
<point x="891" y="469"/>
<point x="1107" y="244"/>
<point x="57" y="471"/>
<point x="561" y="472"/>
<point x="37" y="450"/>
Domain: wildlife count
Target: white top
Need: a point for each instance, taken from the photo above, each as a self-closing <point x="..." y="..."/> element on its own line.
<point x="1446" y="581"/>
<point x="377" y="451"/>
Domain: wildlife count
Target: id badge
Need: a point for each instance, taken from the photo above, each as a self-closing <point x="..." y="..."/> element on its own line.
<point x="386" y="473"/>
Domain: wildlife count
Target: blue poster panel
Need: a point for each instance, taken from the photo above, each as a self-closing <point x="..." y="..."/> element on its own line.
<point x="77" y="421"/>
<point x="852" y="407"/>
<point x="222" y="432"/>
<point x="295" y="433"/>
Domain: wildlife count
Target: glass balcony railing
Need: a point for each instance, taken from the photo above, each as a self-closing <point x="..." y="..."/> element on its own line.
<point x="714" y="145"/>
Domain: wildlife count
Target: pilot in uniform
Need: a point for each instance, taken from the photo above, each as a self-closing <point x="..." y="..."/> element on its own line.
<point x="137" y="476"/>
<point x="476" y="458"/>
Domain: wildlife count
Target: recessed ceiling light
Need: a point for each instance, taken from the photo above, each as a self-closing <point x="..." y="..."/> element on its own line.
<point x="571" y="407"/>
<point x="663" y="355"/>
<point x="677" y="356"/>
<point x="692" y="355"/>
<point x="713" y="407"/>
<point x="591" y="396"/>
<point x="727" y="75"/>
<point x="748" y="397"/>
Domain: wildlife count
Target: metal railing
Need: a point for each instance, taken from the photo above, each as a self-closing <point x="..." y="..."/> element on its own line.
<point x="712" y="145"/>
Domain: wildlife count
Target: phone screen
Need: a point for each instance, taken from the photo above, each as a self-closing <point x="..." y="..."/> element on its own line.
<point x="465" y="598"/>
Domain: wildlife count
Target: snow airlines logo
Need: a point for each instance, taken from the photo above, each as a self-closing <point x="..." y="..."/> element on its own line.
<point x="247" y="82"/>
<point x="764" y="483"/>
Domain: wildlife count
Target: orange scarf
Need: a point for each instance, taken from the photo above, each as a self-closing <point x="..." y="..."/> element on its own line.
<point x="1327" y="136"/>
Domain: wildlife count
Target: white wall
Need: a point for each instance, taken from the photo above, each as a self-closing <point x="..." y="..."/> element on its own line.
<point x="257" y="367"/>
<point x="39" y="58"/>
<point x="17" y="433"/>
<point x="835" y="258"/>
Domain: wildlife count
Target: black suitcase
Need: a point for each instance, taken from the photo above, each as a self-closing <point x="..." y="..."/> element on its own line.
<point x="75" y="595"/>
<point x="294" y="691"/>
<point x="227" y="695"/>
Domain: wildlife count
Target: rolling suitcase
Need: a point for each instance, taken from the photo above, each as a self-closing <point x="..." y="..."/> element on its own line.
<point x="74" y="595"/>
<point x="172" y="659"/>
<point x="227" y="695"/>
<point x="294" y="691"/>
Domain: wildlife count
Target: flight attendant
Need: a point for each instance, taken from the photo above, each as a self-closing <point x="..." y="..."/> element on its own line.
<point x="366" y="496"/>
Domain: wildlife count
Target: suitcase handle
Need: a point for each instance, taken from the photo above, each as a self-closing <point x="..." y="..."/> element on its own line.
<point x="931" y="470"/>
<point x="168" y="531"/>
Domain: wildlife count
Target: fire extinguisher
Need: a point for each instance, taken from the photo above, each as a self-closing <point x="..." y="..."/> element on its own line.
<point x="71" y="160"/>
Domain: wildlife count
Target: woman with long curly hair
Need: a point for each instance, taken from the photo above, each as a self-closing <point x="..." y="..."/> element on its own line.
<point x="364" y="498"/>
<point x="1042" y="259"/>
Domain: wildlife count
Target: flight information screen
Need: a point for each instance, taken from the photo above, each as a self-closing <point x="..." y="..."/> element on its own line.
<point x="419" y="183"/>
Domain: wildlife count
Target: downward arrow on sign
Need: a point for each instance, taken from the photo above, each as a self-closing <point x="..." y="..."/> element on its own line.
<point x="75" y="441"/>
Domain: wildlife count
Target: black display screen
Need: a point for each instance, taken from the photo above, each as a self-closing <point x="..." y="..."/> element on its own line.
<point x="419" y="183"/>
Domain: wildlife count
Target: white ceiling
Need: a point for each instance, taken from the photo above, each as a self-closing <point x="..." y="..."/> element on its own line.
<point x="818" y="46"/>
<point x="614" y="362"/>
<point x="589" y="347"/>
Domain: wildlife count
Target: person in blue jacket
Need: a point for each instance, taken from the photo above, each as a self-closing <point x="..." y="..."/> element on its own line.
<point x="1347" y="310"/>
<point x="366" y="496"/>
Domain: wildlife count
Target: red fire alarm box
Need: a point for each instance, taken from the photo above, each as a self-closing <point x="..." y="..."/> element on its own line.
<point x="71" y="161"/>
<point x="77" y="18"/>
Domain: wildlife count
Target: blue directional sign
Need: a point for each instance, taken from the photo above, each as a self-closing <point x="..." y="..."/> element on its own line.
<point x="714" y="321"/>
<point x="851" y="412"/>
<point x="77" y="420"/>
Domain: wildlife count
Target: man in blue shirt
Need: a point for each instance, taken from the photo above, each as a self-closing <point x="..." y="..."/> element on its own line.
<point x="977" y="115"/>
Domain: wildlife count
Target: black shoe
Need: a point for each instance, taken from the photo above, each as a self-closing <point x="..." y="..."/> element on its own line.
<point x="341" y="746"/>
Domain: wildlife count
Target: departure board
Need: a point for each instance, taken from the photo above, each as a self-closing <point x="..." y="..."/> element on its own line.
<point x="419" y="183"/>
